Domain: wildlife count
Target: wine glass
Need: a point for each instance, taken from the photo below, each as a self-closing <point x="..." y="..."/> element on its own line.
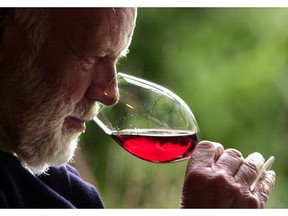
<point x="153" y="123"/>
<point x="149" y="121"/>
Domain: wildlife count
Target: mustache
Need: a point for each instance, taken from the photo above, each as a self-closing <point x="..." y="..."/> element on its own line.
<point x="85" y="110"/>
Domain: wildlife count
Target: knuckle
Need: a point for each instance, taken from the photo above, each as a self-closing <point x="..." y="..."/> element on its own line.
<point x="251" y="165"/>
<point x="208" y="145"/>
<point x="205" y="144"/>
<point x="234" y="153"/>
<point x="256" y="157"/>
<point x="266" y="186"/>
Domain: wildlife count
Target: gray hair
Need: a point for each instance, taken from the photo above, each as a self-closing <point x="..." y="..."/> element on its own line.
<point x="35" y="24"/>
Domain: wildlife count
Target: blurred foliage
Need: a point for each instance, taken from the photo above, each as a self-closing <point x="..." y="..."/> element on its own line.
<point x="230" y="66"/>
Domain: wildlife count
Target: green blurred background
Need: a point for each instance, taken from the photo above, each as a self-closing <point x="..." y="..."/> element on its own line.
<point x="230" y="66"/>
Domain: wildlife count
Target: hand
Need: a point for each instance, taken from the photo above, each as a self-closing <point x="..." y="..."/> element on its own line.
<point x="218" y="178"/>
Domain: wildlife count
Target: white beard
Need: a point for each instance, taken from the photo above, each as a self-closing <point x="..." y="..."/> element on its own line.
<point x="48" y="142"/>
<point x="45" y="142"/>
<point x="42" y="138"/>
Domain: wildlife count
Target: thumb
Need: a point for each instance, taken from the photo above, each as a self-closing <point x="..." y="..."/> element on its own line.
<point x="264" y="187"/>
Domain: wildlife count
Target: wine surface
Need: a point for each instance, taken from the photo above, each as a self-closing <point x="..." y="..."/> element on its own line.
<point x="158" y="146"/>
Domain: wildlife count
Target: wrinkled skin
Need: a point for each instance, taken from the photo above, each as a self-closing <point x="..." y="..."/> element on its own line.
<point x="48" y="97"/>
<point x="218" y="178"/>
<point x="80" y="53"/>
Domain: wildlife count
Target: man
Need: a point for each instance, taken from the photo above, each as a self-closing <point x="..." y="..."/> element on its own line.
<point x="55" y="65"/>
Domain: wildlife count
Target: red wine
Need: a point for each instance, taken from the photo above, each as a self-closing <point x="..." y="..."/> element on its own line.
<point x="158" y="146"/>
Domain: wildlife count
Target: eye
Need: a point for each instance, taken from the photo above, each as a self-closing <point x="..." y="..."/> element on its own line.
<point x="87" y="62"/>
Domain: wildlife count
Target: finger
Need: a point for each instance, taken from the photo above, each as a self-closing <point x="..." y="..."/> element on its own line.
<point x="265" y="186"/>
<point x="249" y="169"/>
<point x="267" y="165"/>
<point x="229" y="161"/>
<point x="206" y="153"/>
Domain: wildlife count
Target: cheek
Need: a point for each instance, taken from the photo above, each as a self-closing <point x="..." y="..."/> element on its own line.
<point x="76" y="84"/>
<point x="66" y="75"/>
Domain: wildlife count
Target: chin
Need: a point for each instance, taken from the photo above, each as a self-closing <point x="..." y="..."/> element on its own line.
<point x="55" y="152"/>
<point x="59" y="158"/>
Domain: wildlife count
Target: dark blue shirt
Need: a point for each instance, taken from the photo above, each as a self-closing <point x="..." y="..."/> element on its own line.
<point x="61" y="187"/>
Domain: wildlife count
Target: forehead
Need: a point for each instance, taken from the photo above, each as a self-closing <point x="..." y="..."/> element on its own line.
<point x="87" y="27"/>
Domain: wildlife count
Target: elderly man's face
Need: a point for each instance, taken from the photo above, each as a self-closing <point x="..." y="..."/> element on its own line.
<point x="75" y="65"/>
<point x="82" y="49"/>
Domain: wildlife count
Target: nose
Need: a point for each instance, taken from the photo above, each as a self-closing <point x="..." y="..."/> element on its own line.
<point x="110" y="95"/>
<point x="104" y="87"/>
